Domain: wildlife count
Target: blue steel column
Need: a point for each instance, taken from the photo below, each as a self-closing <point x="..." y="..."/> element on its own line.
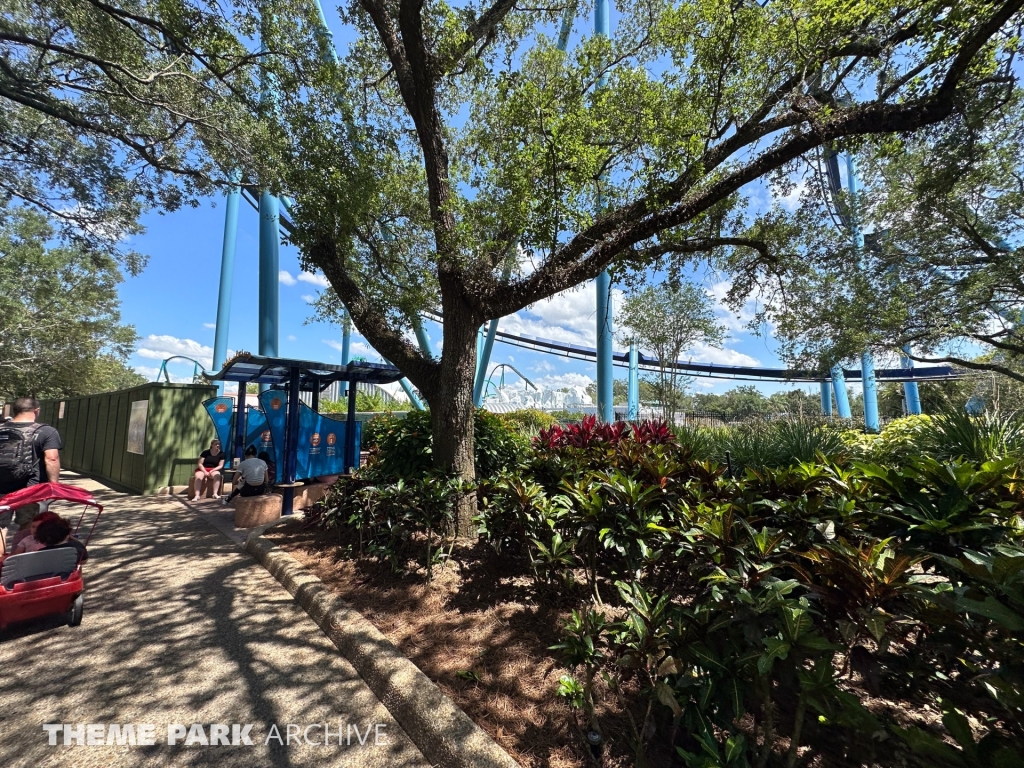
<point x="421" y="337"/>
<point x="826" y="399"/>
<point x="910" y="391"/>
<point x="633" y="388"/>
<point x="270" y="260"/>
<point x="867" y="365"/>
<point x="227" y="277"/>
<point x="346" y="345"/>
<point x="867" y="368"/>
<point x="839" y="389"/>
<point x="605" y="407"/>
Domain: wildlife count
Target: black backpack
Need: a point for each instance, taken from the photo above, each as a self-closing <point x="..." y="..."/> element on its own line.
<point x="19" y="462"/>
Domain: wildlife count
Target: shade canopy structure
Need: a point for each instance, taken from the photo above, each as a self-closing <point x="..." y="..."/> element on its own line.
<point x="297" y="376"/>
<point x="312" y="376"/>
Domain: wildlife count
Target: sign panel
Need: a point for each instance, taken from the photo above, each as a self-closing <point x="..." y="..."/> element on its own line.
<point x="275" y="410"/>
<point x="222" y="411"/>
<point x="137" y="427"/>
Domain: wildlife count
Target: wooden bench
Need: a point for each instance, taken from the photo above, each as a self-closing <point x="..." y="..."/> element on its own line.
<point x="251" y="511"/>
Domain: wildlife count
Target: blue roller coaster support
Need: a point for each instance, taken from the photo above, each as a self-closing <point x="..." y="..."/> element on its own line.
<point x="483" y="362"/>
<point x="633" y="389"/>
<point x="605" y="406"/>
<point x="867" y="372"/>
<point x="826" y="399"/>
<point x="227" y="277"/>
<point x="270" y="260"/>
<point x="910" y="391"/>
<point x="867" y="361"/>
<point x="839" y="390"/>
<point x="422" y="338"/>
<point x="346" y="345"/>
<point x="411" y="394"/>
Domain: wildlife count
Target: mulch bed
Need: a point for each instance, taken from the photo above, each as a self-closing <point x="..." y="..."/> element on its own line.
<point x="479" y="631"/>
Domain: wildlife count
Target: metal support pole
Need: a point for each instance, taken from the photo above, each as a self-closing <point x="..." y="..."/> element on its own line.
<point x="605" y="403"/>
<point x="633" y="388"/>
<point x="605" y="407"/>
<point x="422" y="338"/>
<point x="867" y="376"/>
<point x="350" y="430"/>
<point x="227" y="277"/>
<point x="291" y="441"/>
<point x="411" y="394"/>
<point x="826" y="399"/>
<point x="910" y="391"/>
<point x="839" y="390"/>
<point x="269" y="306"/>
<point x="241" y="415"/>
<point x="346" y="345"/>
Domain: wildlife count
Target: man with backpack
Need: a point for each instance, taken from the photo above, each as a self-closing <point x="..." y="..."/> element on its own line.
<point x="29" y="454"/>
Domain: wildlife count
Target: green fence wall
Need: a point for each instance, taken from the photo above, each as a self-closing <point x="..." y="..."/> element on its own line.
<point x="95" y="434"/>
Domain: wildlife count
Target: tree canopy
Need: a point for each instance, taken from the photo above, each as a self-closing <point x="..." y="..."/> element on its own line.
<point x="943" y="266"/>
<point x="109" y="109"/>
<point x="667" y="321"/>
<point x="60" y="328"/>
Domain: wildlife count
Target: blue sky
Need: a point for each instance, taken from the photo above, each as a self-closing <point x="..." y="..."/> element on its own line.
<point x="173" y="303"/>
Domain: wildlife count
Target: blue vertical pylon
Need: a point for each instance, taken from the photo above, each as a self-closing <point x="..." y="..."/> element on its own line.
<point x="605" y="403"/>
<point x="826" y="399"/>
<point x="633" y="388"/>
<point x="867" y="361"/>
<point x="270" y="261"/>
<point x="910" y="391"/>
<point x="227" y="277"/>
<point x="839" y="390"/>
<point x="867" y="368"/>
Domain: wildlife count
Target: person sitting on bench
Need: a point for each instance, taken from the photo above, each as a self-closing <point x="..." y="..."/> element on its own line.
<point x="252" y="476"/>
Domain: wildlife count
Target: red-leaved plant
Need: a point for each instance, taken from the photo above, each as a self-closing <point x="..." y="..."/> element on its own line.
<point x="589" y="432"/>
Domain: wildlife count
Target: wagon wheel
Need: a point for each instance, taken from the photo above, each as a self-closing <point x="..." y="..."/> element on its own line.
<point x="75" y="612"/>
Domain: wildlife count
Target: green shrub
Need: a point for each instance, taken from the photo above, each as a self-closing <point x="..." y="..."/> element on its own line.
<point x="402" y="446"/>
<point x="992" y="435"/>
<point x="530" y="421"/>
<point x="779" y="442"/>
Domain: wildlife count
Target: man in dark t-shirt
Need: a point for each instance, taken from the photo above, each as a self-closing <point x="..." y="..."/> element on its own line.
<point x="46" y="444"/>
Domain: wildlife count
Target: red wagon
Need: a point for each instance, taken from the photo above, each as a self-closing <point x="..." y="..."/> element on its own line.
<point x="38" y="584"/>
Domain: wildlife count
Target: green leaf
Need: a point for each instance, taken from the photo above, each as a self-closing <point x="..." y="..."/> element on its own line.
<point x="667" y="696"/>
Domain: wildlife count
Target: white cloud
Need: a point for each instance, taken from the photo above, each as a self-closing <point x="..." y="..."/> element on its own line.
<point x="567" y="317"/>
<point x="151" y="374"/>
<point x="791" y="201"/>
<point x="511" y="359"/>
<point x="209" y="325"/>
<point x="543" y="366"/>
<point x="356" y="349"/>
<point x="285" y="277"/>
<point x="315" y="279"/>
<point x="308" y="298"/>
<point x="563" y="380"/>
<point x="702" y="353"/>
<point x="292" y="338"/>
<point x="156" y="347"/>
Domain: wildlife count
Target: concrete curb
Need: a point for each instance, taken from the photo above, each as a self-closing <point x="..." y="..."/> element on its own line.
<point x="443" y="732"/>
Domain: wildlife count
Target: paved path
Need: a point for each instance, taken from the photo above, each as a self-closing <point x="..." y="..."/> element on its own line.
<point x="183" y="627"/>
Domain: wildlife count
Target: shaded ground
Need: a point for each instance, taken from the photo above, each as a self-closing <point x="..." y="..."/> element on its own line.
<point x="480" y="635"/>
<point x="183" y="627"/>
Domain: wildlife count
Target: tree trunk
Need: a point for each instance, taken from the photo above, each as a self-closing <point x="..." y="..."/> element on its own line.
<point x="451" y="410"/>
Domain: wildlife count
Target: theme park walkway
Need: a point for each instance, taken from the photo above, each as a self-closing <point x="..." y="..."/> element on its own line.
<point x="182" y="627"/>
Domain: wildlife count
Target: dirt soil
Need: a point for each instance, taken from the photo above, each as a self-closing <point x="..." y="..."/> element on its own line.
<point x="477" y="631"/>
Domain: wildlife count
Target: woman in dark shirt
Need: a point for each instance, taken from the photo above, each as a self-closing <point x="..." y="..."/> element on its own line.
<point x="208" y="468"/>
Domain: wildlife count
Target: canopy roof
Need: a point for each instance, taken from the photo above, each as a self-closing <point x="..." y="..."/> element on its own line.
<point x="313" y="376"/>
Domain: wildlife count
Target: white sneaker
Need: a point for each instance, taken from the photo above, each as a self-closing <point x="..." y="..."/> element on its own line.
<point x="216" y="496"/>
<point x="196" y="497"/>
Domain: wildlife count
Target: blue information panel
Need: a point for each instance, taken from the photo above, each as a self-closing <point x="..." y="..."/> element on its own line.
<point x="275" y="411"/>
<point x="222" y="410"/>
